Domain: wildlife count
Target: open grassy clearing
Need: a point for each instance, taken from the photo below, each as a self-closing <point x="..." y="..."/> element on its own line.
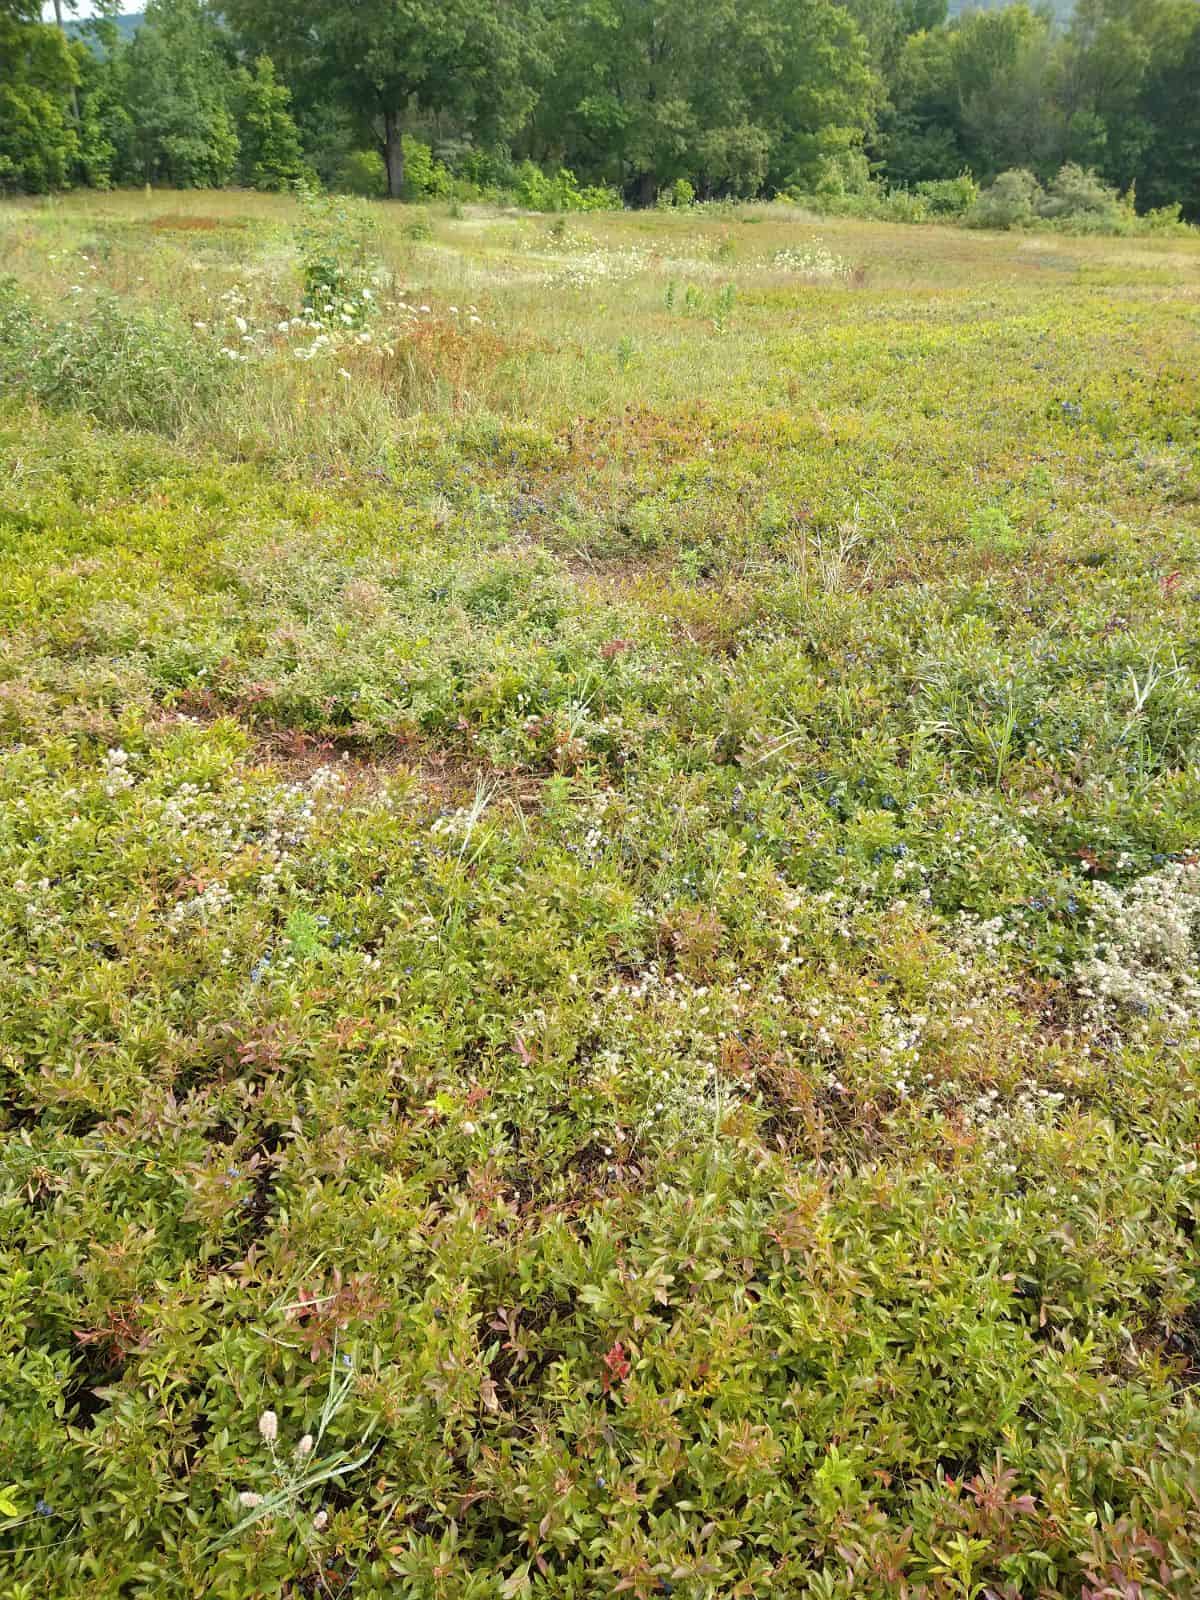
<point x="599" y="907"/>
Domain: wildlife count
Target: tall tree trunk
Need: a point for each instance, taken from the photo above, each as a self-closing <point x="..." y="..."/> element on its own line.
<point x="393" y="154"/>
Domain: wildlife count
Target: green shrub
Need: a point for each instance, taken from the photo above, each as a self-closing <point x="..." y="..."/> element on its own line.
<point x="1081" y="200"/>
<point x="424" y="178"/>
<point x="1012" y="201"/>
<point x="676" y="196"/>
<point x="485" y="172"/>
<point x="844" y="175"/>
<point x="1076" y="201"/>
<point x="948" y="197"/>
<point x="335" y="242"/>
<point x="130" y="368"/>
<point x="845" y="188"/>
<point x="363" y="173"/>
<point x="1164" y="219"/>
<point x="538" y="191"/>
<point x="902" y="205"/>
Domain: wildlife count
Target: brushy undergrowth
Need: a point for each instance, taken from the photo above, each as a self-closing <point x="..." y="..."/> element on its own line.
<point x="598" y="907"/>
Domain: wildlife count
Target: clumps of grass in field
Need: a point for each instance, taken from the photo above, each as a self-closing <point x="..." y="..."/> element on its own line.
<point x="301" y="1474"/>
<point x="126" y="367"/>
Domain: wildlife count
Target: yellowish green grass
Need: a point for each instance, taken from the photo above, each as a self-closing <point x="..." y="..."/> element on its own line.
<point x="599" y="905"/>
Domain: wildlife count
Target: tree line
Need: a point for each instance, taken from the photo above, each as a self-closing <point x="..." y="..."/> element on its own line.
<point x="644" y="98"/>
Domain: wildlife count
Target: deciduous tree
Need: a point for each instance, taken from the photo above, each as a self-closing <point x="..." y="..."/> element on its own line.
<point x="389" y="60"/>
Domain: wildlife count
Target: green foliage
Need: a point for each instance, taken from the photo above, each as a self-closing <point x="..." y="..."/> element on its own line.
<point x="269" y="153"/>
<point x="179" y="87"/>
<point x="336" y="243"/>
<point x="948" y="197"/>
<point x="676" y="196"/>
<point x="424" y="178"/>
<point x="1168" y="169"/>
<point x="843" y="175"/>
<point x="383" y="59"/>
<point x="363" y="173"/>
<point x="724" y="96"/>
<point x="105" y="122"/>
<point x="1012" y="201"/>
<point x="1075" y="201"/>
<point x="876" y="109"/>
<point x="974" y="95"/>
<point x="1004" y="90"/>
<point x="990" y="529"/>
<point x="873" y="200"/>
<point x="1081" y="199"/>
<point x="37" y="74"/>
<point x="127" y="368"/>
<point x="540" y="191"/>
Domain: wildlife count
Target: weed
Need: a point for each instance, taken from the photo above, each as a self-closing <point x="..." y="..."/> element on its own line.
<point x="335" y="244"/>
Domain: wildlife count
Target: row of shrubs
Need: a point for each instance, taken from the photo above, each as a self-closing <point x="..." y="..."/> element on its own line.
<point x="1076" y="200"/>
<point x="477" y="175"/>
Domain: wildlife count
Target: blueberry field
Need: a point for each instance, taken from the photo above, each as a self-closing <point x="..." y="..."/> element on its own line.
<point x="599" y="905"/>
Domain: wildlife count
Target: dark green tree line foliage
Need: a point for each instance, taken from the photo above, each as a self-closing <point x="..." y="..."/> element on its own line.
<point x="728" y="95"/>
<point x="715" y="97"/>
<point x="39" y="73"/>
<point x="1118" y="90"/>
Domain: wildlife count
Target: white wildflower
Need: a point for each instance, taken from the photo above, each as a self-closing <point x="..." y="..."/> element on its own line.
<point x="1148" y="945"/>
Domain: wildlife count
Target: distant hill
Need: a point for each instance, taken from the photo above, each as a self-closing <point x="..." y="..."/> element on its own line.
<point x="1062" y="9"/>
<point x="127" y="25"/>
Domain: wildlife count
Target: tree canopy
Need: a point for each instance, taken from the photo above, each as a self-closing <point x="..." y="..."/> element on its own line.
<point x="722" y="97"/>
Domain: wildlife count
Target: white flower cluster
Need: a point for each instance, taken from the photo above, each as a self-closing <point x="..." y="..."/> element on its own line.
<point x="596" y="266"/>
<point x="202" y="908"/>
<point x="275" y="821"/>
<point x="1147" y="946"/>
<point x="117" y="775"/>
<point x="814" y="261"/>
